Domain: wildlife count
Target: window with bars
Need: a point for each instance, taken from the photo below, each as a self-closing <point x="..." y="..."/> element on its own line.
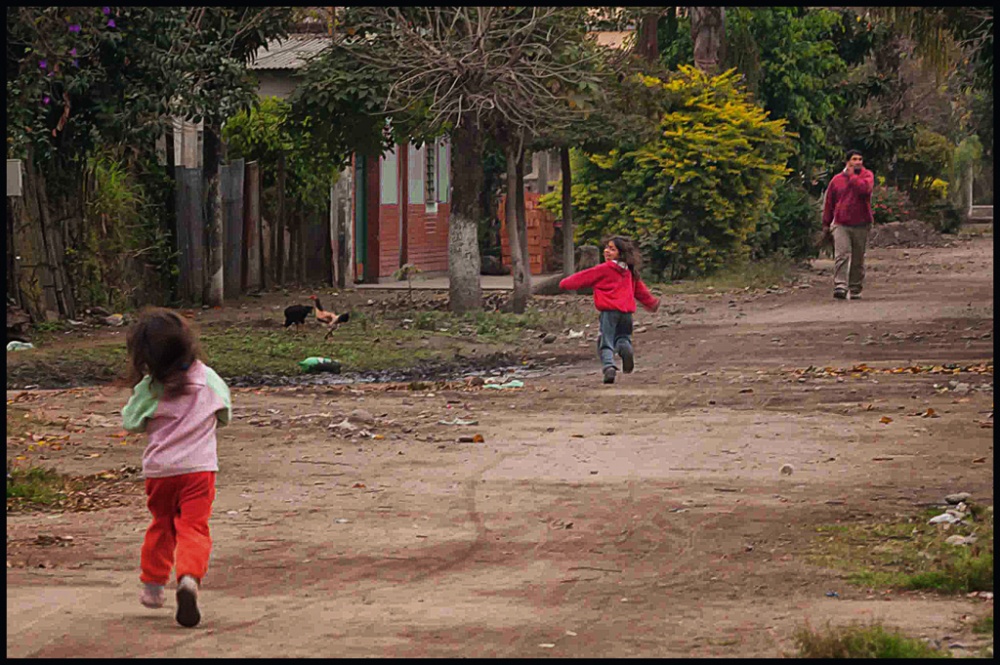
<point x="430" y="176"/>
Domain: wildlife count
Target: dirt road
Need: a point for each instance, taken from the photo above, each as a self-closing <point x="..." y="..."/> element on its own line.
<point x="647" y="518"/>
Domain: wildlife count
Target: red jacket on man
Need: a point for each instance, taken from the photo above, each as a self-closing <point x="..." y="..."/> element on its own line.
<point x="615" y="290"/>
<point x="849" y="199"/>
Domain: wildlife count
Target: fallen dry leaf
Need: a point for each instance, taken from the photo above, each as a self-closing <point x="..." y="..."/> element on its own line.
<point x="885" y="420"/>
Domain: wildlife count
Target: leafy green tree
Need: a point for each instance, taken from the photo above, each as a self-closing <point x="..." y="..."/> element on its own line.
<point x="795" y="72"/>
<point x="84" y="77"/>
<point x="693" y="197"/>
<point x="941" y="34"/>
<point x="267" y="130"/>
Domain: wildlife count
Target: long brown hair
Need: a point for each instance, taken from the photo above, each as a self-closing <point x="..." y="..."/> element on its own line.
<point x="628" y="252"/>
<point x="163" y="345"/>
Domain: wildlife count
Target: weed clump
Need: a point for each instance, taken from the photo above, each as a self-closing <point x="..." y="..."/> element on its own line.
<point x="861" y="641"/>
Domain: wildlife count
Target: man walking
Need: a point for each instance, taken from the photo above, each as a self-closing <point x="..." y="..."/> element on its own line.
<point x="847" y="213"/>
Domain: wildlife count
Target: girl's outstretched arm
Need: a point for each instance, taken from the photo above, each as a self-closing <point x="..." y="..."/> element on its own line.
<point x="647" y="299"/>
<point x="583" y="279"/>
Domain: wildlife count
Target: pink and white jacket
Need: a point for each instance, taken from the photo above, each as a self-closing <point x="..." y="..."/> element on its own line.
<point x="181" y="427"/>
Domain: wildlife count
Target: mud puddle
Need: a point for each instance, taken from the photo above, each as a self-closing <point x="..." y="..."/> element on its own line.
<point x="500" y="366"/>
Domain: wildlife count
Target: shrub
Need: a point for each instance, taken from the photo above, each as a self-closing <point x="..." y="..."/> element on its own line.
<point x="860" y="641"/>
<point x="119" y="253"/>
<point x="939" y="189"/>
<point x="944" y="216"/>
<point x="929" y="156"/>
<point x="693" y="197"/>
<point x="789" y="226"/>
<point x="891" y="204"/>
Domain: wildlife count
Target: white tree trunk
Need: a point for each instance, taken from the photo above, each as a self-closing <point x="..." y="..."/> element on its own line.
<point x="464" y="289"/>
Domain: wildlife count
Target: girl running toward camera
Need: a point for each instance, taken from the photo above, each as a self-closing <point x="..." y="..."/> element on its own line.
<point x="179" y="401"/>
<point x="617" y="286"/>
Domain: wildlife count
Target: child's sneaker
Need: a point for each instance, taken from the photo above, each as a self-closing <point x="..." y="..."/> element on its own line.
<point x="609" y="374"/>
<point x="153" y="596"/>
<point x="628" y="359"/>
<point x="187" y="602"/>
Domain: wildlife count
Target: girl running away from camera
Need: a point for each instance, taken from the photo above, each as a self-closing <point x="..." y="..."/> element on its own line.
<point x="178" y="401"/>
<point x="617" y="286"/>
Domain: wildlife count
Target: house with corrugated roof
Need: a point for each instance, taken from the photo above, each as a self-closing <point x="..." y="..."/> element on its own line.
<point x="399" y="203"/>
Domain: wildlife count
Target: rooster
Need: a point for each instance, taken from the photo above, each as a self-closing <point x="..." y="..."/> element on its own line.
<point x="331" y="319"/>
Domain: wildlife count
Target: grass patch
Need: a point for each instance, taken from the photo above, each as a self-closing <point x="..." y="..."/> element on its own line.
<point x="240" y="351"/>
<point x="500" y="327"/>
<point x="909" y="553"/>
<point x="770" y="272"/>
<point x="395" y="339"/>
<point x="983" y="625"/>
<point x="35" y="485"/>
<point x="861" y="641"/>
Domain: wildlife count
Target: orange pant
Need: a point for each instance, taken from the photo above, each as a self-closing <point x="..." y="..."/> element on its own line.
<point x="181" y="506"/>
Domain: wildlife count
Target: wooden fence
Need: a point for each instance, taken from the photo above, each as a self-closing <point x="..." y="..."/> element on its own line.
<point x="249" y="241"/>
<point x="37" y="232"/>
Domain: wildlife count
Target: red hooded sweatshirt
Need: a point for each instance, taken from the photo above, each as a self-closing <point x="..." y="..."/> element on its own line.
<point x="615" y="289"/>
<point x="849" y="199"/>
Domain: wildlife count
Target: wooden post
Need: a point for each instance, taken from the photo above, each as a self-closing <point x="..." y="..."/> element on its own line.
<point x="232" y="186"/>
<point x="266" y="253"/>
<point x="212" y="290"/>
<point x="301" y="261"/>
<point x="567" y="212"/>
<point x="279" y="254"/>
<point x="522" y="222"/>
<point x="334" y="238"/>
<point x="53" y="251"/>
<point x="251" y="228"/>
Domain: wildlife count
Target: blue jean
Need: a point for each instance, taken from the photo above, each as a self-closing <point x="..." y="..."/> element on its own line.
<point x="616" y="335"/>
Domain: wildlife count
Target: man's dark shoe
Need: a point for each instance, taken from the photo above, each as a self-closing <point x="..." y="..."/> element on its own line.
<point x="609" y="374"/>
<point x="855" y="295"/>
<point x="628" y="360"/>
<point x="839" y="294"/>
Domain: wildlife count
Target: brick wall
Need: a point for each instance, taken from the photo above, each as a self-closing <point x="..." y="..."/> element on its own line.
<point x="388" y="228"/>
<point x="541" y="228"/>
<point x="427" y="246"/>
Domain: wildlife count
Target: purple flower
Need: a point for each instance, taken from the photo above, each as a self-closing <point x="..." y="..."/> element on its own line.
<point x="45" y="99"/>
<point x="111" y="23"/>
<point x="75" y="27"/>
<point x="72" y="51"/>
<point x="76" y="63"/>
<point x="106" y="10"/>
<point x="43" y="64"/>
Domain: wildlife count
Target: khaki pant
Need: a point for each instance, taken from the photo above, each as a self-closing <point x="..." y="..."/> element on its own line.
<point x="849" y="257"/>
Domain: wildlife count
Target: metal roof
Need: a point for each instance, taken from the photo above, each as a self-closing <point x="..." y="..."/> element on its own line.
<point x="289" y="53"/>
<point x="293" y="51"/>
